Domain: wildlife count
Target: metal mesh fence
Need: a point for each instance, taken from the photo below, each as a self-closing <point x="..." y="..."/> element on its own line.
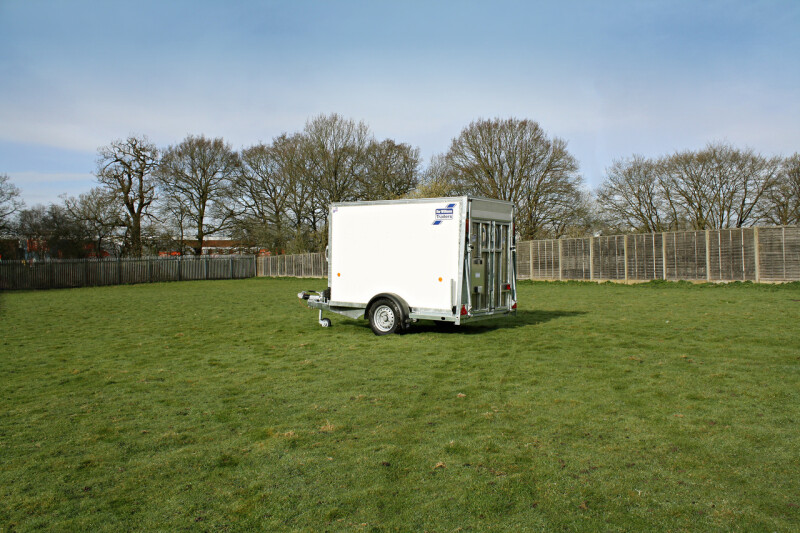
<point x="609" y="257"/>
<point x="779" y="251"/>
<point x="577" y="259"/>
<point x="298" y="265"/>
<point x="543" y="259"/>
<point x="524" y="258"/>
<point x="731" y="255"/>
<point x="685" y="253"/>
<point x="645" y="256"/>
<point x="738" y="254"/>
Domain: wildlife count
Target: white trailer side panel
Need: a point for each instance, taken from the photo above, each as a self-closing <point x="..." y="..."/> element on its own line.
<point x="408" y="249"/>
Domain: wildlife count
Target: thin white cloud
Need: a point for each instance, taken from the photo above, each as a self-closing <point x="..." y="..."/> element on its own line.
<point x="45" y="188"/>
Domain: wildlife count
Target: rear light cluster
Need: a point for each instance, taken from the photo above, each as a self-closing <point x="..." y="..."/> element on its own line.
<point x="463" y="310"/>
<point x="513" y="304"/>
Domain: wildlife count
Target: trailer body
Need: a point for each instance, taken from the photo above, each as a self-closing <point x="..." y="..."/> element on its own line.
<point x="444" y="259"/>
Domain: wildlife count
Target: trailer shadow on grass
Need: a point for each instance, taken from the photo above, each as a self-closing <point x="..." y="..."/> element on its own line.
<point x="523" y="318"/>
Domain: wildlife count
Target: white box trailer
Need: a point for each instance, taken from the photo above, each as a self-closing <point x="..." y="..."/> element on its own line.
<point x="451" y="260"/>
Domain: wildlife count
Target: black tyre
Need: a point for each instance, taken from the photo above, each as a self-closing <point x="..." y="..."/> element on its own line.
<point x="385" y="317"/>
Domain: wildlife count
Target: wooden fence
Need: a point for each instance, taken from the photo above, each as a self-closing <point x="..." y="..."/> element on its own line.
<point x="65" y="273"/>
<point x="58" y="274"/>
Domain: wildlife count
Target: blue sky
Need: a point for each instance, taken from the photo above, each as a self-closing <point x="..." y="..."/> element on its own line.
<point x="611" y="78"/>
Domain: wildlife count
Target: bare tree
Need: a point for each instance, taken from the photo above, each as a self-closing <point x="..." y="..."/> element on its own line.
<point x="10" y="204"/>
<point x="125" y="168"/>
<point x="581" y="220"/>
<point x="33" y="227"/>
<point x="686" y="176"/>
<point x="197" y="173"/>
<point x="719" y="186"/>
<point x="633" y="196"/>
<point x="100" y="212"/>
<point x="392" y="170"/>
<point x="335" y="150"/>
<point x="496" y="157"/>
<point x="781" y="203"/>
<point x="174" y="222"/>
<point x="263" y="189"/>
<point x="291" y="150"/>
<point x="51" y="232"/>
<point x="514" y="160"/>
<point x="439" y="179"/>
<point x="741" y="177"/>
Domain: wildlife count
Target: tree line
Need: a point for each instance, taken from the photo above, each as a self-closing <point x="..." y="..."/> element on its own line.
<point x="717" y="187"/>
<point x="276" y="194"/>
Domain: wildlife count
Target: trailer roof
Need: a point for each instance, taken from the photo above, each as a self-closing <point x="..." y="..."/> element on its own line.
<point x="421" y="200"/>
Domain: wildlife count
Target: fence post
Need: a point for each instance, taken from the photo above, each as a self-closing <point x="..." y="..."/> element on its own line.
<point x="625" y="255"/>
<point x="664" y="255"/>
<point x="783" y="248"/>
<point x="591" y="258"/>
<point x="655" y="274"/>
<point x="231" y="261"/>
<point x="560" y="253"/>
<point x="708" y="256"/>
<point x="744" y="263"/>
<point x="180" y="274"/>
<point x="205" y="266"/>
<point x="530" y="254"/>
<point x="757" y="254"/>
<point x="150" y="270"/>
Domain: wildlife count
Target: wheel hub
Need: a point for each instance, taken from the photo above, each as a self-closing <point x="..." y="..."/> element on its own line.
<point x="384" y="318"/>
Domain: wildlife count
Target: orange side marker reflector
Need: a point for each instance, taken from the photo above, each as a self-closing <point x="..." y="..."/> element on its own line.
<point x="338" y="274"/>
<point x="440" y="279"/>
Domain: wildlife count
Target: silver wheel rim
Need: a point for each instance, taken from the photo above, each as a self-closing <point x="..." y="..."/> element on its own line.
<point x="384" y="318"/>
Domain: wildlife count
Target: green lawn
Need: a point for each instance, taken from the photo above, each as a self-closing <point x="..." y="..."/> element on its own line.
<point x="224" y="406"/>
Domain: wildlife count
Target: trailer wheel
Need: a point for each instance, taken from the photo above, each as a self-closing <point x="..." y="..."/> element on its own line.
<point x="325" y="322"/>
<point x="385" y="317"/>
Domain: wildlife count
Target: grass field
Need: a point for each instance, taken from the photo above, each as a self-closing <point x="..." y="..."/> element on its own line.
<point x="224" y="406"/>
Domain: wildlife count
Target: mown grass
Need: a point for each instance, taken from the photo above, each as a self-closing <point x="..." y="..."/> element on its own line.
<point x="224" y="406"/>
